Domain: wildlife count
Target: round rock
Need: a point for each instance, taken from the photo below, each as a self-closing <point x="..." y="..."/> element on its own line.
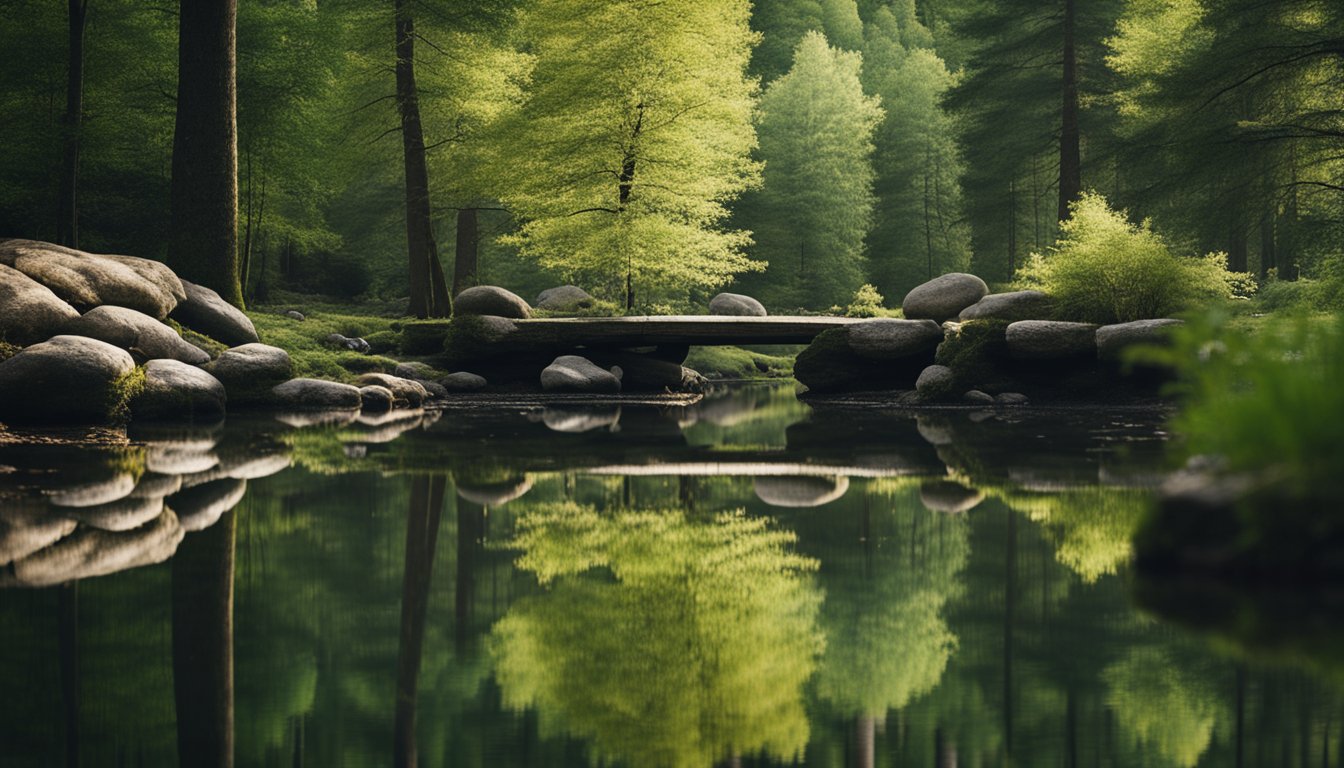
<point x="315" y="395"/>
<point x="32" y="313"/>
<point x="89" y="280"/>
<point x="1010" y="398"/>
<point x="462" y="381"/>
<point x="564" y="298"/>
<point x="736" y="304"/>
<point x="66" y="378"/>
<point x="1112" y="339"/>
<point x="943" y="298"/>
<point x="491" y="300"/>
<point x="251" y="368"/>
<point x="294" y="314"/>
<point x="934" y="380"/>
<point x="889" y="339"/>
<point x="376" y="399"/>
<point x="415" y="370"/>
<point x="205" y="312"/>
<point x="1011" y="306"/>
<point x="571" y="373"/>
<point x="137" y="333"/>
<point x="175" y="390"/>
<point x="406" y="391"/>
<point x="1050" y="339"/>
<point x="978" y="397"/>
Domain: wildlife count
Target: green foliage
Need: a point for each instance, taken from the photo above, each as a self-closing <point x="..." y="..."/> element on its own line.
<point x="7" y="350"/>
<point x="123" y="390"/>
<point x="867" y="302"/>
<point x="974" y="353"/>
<point x="1161" y="707"/>
<point x="1092" y="527"/>
<point x="737" y="363"/>
<point x="312" y="358"/>
<point x="781" y="25"/>
<point x="813" y="213"/>
<point x="1104" y="269"/>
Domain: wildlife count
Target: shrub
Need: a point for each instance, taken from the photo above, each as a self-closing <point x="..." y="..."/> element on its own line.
<point x="1104" y="269"/>
<point x="867" y="302"/>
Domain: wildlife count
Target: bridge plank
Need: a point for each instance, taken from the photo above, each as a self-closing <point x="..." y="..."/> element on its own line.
<point x="690" y="330"/>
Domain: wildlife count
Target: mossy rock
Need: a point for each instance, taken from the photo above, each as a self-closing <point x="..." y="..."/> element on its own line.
<point x="423" y="337"/>
<point x="977" y="353"/>
<point x="828" y="364"/>
<point x="384" y="342"/>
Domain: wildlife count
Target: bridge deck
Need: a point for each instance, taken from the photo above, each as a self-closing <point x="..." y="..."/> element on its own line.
<point x="689" y="330"/>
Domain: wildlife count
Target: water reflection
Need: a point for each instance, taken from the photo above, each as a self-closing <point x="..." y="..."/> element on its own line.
<point x="743" y="581"/>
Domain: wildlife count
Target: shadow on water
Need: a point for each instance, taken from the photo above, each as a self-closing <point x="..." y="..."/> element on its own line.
<point x="741" y="581"/>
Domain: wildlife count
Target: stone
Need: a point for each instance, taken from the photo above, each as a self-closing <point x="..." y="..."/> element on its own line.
<point x="88" y="280"/>
<point x="175" y="390"/>
<point x="829" y="364"/>
<point x="494" y="494"/>
<point x="1010" y="398"/>
<point x="799" y="492"/>
<point x="315" y="395"/>
<point x="331" y="417"/>
<point x="89" y="552"/>
<point x="408" y="393"/>
<point x="564" y="298"/>
<point x="571" y="373"/>
<point x="736" y="304"/>
<point x="462" y="381"/>
<point x="66" y="378"/>
<point x="977" y="397"/>
<point x="949" y="497"/>
<point x="201" y="506"/>
<point x="138" y="333"/>
<point x="1050" y="339"/>
<point x="944" y="297"/>
<point x="157" y="485"/>
<point x="294" y="314"/>
<point x="934" y="381"/>
<point x="180" y="458"/>
<point x="376" y="399"/>
<point x="249" y="371"/>
<point x="252" y="466"/>
<point x="889" y="339"/>
<point x="1011" y="306"/>
<point x="32" y="313"/>
<point x="385" y="427"/>
<point x="416" y="370"/>
<point x="27" y="526"/>
<point x="434" y="390"/>
<point x="337" y="341"/>
<point x="205" y="312"/>
<point x="1113" y="339"/>
<point x="491" y="300"/>
<point x="645" y="372"/>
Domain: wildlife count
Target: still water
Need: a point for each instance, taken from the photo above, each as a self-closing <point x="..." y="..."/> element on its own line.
<point x="744" y="581"/>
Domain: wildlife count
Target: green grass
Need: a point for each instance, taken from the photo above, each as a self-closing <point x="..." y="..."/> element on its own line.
<point x="312" y="357"/>
<point x="738" y="363"/>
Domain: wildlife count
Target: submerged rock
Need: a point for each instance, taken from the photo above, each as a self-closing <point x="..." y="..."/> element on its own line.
<point x="491" y="300"/>
<point x="376" y="399"/>
<point x="66" y="378"/>
<point x="205" y="312"/>
<point x="32" y="313"/>
<point x="736" y="304"/>
<point x="136" y="333"/>
<point x="944" y="297"/>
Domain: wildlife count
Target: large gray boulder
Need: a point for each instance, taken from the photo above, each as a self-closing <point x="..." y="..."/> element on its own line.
<point x="1050" y="339"/>
<point x="175" y="390"/>
<point x="315" y="395"/>
<point x="889" y="339"/>
<point x="571" y="373"/>
<point x="250" y="370"/>
<point x="31" y="312"/>
<point x="463" y="381"/>
<point x="564" y="298"/>
<point x="1113" y="339"/>
<point x="408" y="392"/>
<point x="944" y="297"/>
<point x="66" y="378"/>
<point x="136" y="332"/>
<point x="88" y="280"/>
<point x="205" y="312"/>
<point x="799" y="492"/>
<point x="935" y="381"/>
<point x="736" y="304"/>
<point x="1010" y="306"/>
<point x="416" y="370"/>
<point x="491" y="300"/>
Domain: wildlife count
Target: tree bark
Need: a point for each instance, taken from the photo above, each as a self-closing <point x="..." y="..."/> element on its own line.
<point x="422" y="534"/>
<point x="466" y="258"/>
<point x="203" y="231"/>
<point x="202" y="599"/>
<point x="1070" y="154"/>
<point x="429" y="292"/>
<point x="67" y="213"/>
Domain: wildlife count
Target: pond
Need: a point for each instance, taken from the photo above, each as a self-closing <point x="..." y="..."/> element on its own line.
<point x="748" y="580"/>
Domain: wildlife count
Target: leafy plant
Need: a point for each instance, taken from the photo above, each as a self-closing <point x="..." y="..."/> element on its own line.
<point x="867" y="302"/>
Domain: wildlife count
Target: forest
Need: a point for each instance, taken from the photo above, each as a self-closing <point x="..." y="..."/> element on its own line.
<point x="657" y="151"/>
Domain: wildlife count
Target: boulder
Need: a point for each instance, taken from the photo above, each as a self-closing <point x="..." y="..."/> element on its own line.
<point x="887" y="339"/>
<point x="1112" y="339"/>
<point x="949" y="497"/>
<point x="32" y="313"/>
<point x="337" y="341"/>
<point x="976" y="397"/>
<point x="201" y="506"/>
<point x="935" y="381"/>
<point x="294" y="314"/>
<point x="407" y="392"/>
<point x="462" y="381"/>
<point x="205" y="312"/>
<point x="88" y="280"/>
<point x="249" y="371"/>
<point x="66" y="378"/>
<point x="944" y="297"/>
<point x="800" y="491"/>
<point x="315" y="395"/>
<point x="830" y="364"/>
<point x="1011" y="306"/>
<point x="416" y="370"/>
<point x="175" y="390"/>
<point x="736" y="304"/>
<point x="1010" y="398"/>
<point x="376" y="399"/>
<point x="138" y="333"/>
<point x="564" y="298"/>
<point x="491" y="300"/>
<point x="434" y="390"/>
<point x="571" y="373"/>
<point x="1050" y="339"/>
<point x="645" y="372"/>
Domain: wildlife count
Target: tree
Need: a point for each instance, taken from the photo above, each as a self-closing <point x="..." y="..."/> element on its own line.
<point x="637" y="133"/>
<point x="67" y="217"/>
<point x="781" y="25"/>
<point x="812" y="214"/>
<point x="203" y="236"/>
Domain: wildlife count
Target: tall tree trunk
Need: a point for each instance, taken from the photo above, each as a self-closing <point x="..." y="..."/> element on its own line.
<point x="67" y="213"/>
<point x="1070" y="155"/>
<point x="202" y="599"/>
<point x="1012" y="227"/>
<point x="422" y="535"/>
<point x="466" y="258"/>
<point x="203" y="231"/>
<point x="1237" y="246"/>
<point x="429" y="292"/>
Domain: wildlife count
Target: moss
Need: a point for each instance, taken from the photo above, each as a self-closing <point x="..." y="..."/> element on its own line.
<point x="312" y="358"/>
<point x="122" y="391"/>
<point x="738" y="363"/>
<point x="383" y="342"/>
<point x="8" y="350"/>
<point x="974" y="353"/>
<point x="424" y="337"/>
